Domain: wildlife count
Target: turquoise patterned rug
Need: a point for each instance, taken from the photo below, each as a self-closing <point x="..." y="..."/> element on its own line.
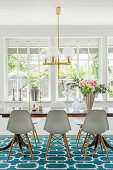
<point x="57" y="157"/>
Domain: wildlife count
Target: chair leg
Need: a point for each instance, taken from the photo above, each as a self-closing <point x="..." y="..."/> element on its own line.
<point x="34" y="138"/>
<point x="83" y="143"/>
<point x="48" y="145"/>
<point x="79" y="137"/>
<point x="66" y="140"/>
<point x="29" y="145"/>
<point x="36" y="134"/>
<point x="48" y="141"/>
<point x="11" y="147"/>
<point x="66" y="146"/>
<point x="86" y="148"/>
<point x="101" y="144"/>
<point x="104" y="147"/>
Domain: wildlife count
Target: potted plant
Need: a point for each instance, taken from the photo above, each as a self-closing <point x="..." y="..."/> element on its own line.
<point x="89" y="88"/>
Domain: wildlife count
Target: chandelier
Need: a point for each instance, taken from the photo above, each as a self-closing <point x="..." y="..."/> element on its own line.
<point x="53" y="56"/>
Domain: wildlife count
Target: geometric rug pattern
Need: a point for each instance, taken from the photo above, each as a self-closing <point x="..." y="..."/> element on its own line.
<point x="57" y="157"/>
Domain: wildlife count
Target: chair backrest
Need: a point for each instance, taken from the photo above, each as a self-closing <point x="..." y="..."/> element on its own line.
<point x="95" y="122"/>
<point x="20" y="122"/>
<point x="57" y="122"/>
<point x="57" y="105"/>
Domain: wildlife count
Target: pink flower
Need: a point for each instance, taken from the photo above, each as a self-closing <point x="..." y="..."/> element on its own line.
<point x="92" y="84"/>
<point x="81" y="83"/>
<point x="95" y="83"/>
<point x="88" y="81"/>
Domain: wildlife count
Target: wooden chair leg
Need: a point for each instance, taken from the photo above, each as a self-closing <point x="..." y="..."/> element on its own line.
<point x="66" y="140"/>
<point x="48" y="145"/>
<point x="66" y="147"/>
<point x="29" y="145"/>
<point x="104" y="147"/>
<point x="79" y="137"/>
<point x="83" y="143"/>
<point x="101" y="144"/>
<point x="11" y="147"/>
<point x="36" y="134"/>
<point x="86" y="148"/>
<point x="48" y="141"/>
<point x="34" y="138"/>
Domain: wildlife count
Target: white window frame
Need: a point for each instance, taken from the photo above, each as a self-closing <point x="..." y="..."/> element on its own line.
<point x="108" y="38"/>
<point x="6" y="65"/>
<point x="70" y="39"/>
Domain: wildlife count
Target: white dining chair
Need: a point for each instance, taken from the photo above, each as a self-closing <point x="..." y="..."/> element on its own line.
<point x="20" y="123"/>
<point x="95" y="124"/>
<point x="57" y="124"/>
<point x="25" y="106"/>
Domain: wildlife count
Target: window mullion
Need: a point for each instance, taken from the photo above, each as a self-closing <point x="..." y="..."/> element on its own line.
<point x="28" y="69"/>
<point x="77" y="58"/>
<point x="17" y="89"/>
<point x="88" y="62"/>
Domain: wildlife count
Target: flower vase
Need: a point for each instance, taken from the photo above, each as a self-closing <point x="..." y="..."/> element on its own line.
<point x="89" y="99"/>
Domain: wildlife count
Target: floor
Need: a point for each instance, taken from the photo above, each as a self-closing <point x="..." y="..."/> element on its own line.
<point x="57" y="157"/>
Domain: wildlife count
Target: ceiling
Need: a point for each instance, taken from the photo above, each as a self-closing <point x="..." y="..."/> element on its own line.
<point x="43" y="12"/>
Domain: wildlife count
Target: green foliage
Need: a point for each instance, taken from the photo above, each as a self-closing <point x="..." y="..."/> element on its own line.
<point x="72" y="73"/>
<point x="12" y="63"/>
<point x="110" y="93"/>
<point x="89" y="87"/>
<point x="86" y="89"/>
<point x="82" y="72"/>
<point x="94" y="66"/>
<point x="32" y="80"/>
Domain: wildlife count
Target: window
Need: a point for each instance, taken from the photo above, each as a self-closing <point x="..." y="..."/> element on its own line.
<point x="110" y="67"/>
<point x="25" y="67"/>
<point x="85" y="63"/>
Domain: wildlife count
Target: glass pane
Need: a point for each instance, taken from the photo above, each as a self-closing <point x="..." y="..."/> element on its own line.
<point x="44" y="70"/>
<point x="110" y="77"/>
<point x="63" y="71"/>
<point x="12" y="84"/>
<point x="83" y="69"/>
<point x="12" y="62"/>
<point x="23" y="86"/>
<point x="110" y="56"/>
<point x="93" y="72"/>
<point x="61" y="88"/>
<point x="72" y="71"/>
<point x="44" y="88"/>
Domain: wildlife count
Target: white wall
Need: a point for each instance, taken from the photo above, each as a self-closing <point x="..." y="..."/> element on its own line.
<point x="34" y="31"/>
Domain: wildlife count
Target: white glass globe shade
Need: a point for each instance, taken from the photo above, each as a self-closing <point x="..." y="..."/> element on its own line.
<point x="44" y="53"/>
<point x="69" y="52"/>
<point x="53" y="52"/>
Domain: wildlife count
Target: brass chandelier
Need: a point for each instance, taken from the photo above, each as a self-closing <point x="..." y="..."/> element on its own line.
<point x="52" y="55"/>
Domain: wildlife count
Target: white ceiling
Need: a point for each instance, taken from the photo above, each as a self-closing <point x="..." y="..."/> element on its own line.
<point x="43" y="12"/>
